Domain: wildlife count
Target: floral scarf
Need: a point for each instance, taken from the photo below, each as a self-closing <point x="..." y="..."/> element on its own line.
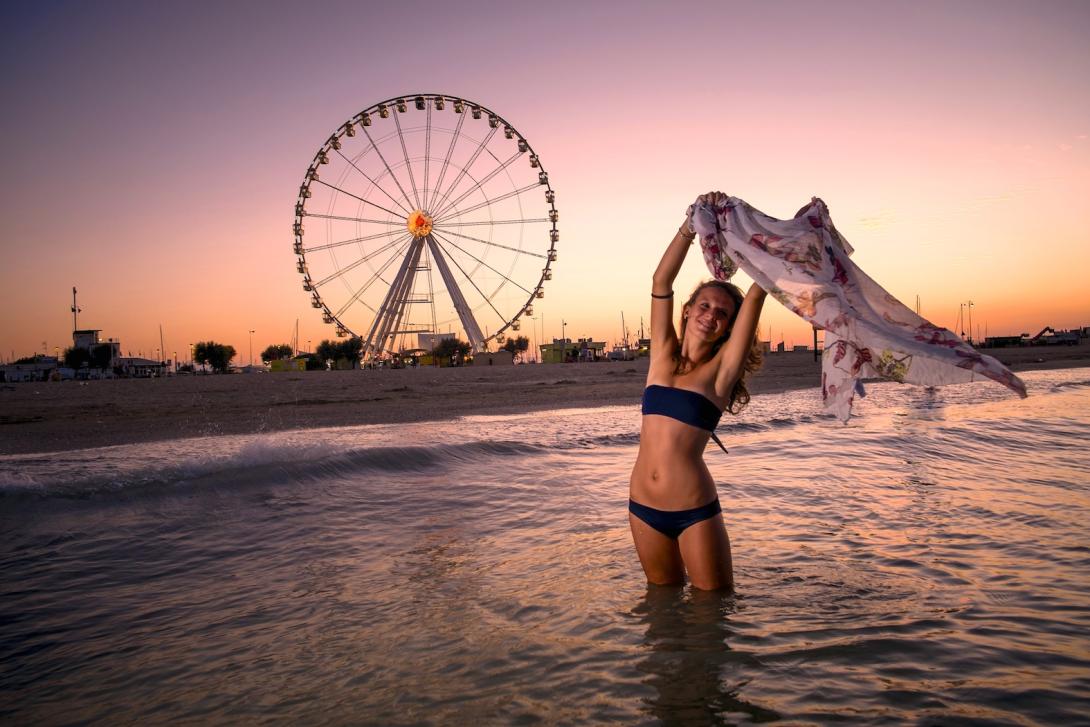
<point x="803" y="263"/>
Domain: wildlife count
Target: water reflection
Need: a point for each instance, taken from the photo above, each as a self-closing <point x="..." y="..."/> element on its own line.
<point x="688" y="660"/>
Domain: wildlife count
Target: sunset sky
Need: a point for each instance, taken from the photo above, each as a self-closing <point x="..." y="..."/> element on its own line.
<point x="153" y="151"/>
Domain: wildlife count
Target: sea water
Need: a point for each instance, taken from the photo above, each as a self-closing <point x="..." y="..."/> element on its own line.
<point x="928" y="562"/>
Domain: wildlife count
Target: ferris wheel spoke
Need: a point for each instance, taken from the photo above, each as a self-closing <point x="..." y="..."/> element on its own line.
<point x="493" y="222"/>
<point x="481" y="182"/>
<point x="378" y="186"/>
<point x="408" y="164"/>
<point x="390" y="223"/>
<point x="355" y="264"/>
<point x="370" y="281"/>
<point x="446" y="162"/>
<point x="427" y="150"/>
<point x="480" y="292"/>
<point x="465" y="313"/>
<point x="513" y="193"/>
<point x="495" y="244"/>
<point x="386" y="164"/>
<point x="465" y="167"/>
<point x="356" y="196"/>
<point x="456" y="246"/>
<point x="342" y="243"/>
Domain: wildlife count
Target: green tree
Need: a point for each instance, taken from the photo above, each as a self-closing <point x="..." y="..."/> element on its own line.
<point x="216" y="355"/>
<point x="351" y="350"/>
<point x="348" y="351"/>
<point x="517" y="346"/>
<point x="451" y="349"/>
<point x="277" y="352"/>
<point x="102" y="356"/>
<point x="326" y="351"/>
<point x="76" y="356"/>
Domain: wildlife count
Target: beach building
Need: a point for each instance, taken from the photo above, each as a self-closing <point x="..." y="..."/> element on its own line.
<point x="558" y="351"/>
<point x="590" y="350"/>
<point x="494" y="358"/>
<point x="42" y="368"/>
<point x="88" y="339"/>
<point x="141" y="368"/>
<point x="566" y="351"/>
<point x="1049" y="336"/>
<point x="298" y="363"/>
<point x="1003" y="341"/>
<point x="105" y="356"/>
<point x="621" y="352"/>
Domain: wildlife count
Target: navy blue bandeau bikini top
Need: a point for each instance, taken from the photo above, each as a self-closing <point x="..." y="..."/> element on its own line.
<point x="686" y="406"/>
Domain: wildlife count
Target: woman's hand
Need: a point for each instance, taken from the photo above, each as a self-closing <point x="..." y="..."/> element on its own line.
<point x="715" y="199"/>
<point x="712" y="199"/>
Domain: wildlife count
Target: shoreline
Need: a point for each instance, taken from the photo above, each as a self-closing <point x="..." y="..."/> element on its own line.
<point x="61" y="416"/>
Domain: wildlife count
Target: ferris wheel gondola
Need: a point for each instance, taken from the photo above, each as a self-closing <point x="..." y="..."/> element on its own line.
<point x="425" y="215"/>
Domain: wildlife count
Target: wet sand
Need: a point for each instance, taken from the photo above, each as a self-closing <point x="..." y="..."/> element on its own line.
<point x="47" y="417"/>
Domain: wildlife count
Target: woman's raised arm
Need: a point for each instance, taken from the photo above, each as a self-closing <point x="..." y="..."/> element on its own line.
<point x="732" y="356"/>
<point x="663" y="335"/>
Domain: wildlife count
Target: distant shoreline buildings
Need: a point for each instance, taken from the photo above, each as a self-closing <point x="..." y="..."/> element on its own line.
<point x="103" y="359"/>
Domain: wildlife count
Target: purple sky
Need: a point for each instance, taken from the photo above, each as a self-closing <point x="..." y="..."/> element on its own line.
<point x="154" y="150"/>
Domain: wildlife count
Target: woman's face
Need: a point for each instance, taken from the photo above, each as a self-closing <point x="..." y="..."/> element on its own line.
<point x="710" y="315"/>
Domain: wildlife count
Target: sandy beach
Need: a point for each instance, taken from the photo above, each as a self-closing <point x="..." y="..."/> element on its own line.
<point x="46" y="417"/>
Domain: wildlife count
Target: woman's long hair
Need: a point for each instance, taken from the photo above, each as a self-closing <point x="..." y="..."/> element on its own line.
<point x="739" y="395"/>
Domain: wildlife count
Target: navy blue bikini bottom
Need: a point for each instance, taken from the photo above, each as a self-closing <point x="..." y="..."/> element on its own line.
<point x="672" y="523"/>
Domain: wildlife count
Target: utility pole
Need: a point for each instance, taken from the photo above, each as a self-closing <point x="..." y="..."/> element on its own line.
<point x="970" y="323"/>
<point x="75" y="314"/>
<point x="251" y="347"/>
<point x="533" y="325"/>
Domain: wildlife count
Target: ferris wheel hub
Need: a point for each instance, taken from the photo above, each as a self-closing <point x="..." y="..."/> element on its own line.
<point x="419" y="223"/>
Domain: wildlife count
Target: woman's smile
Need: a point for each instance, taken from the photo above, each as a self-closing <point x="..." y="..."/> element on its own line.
<point x="708" y="326"/>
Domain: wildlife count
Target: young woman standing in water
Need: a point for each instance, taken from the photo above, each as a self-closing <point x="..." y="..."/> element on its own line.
<point x="674" y="511"/>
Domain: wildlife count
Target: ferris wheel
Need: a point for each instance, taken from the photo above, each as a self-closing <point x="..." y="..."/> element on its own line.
<point x="421" y="216"/>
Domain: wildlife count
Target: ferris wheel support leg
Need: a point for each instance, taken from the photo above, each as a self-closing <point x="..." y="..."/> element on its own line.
<point x="402" y="302"/>
<point x="465" y="313"/>
<point x="402" y="289"/>
<point x="375" y="343"/>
